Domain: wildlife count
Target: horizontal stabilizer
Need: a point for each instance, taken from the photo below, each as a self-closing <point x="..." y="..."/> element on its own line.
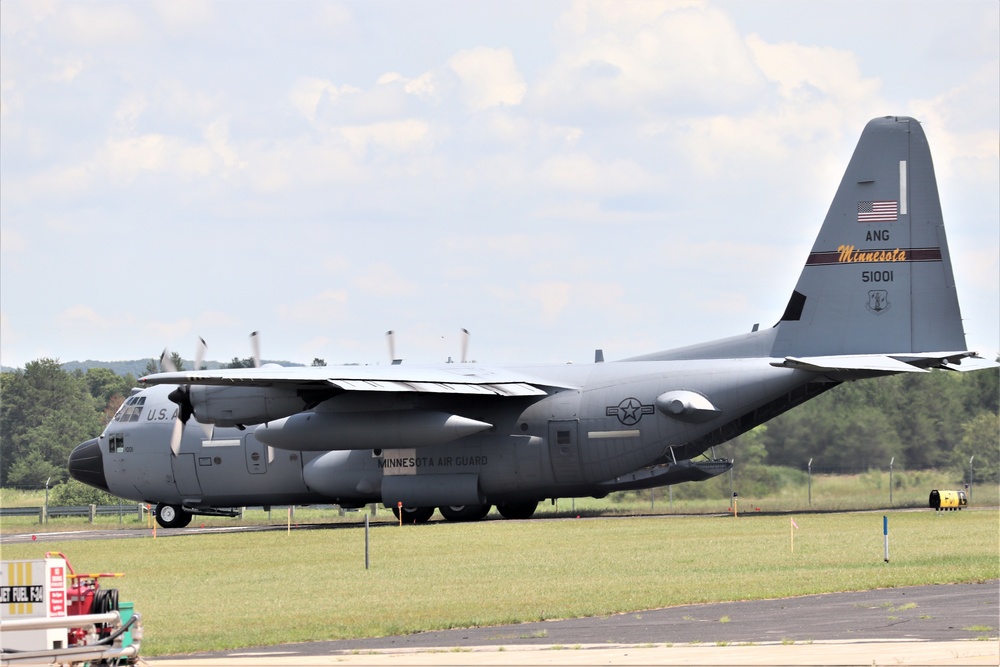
<point x="971" y="364"/>
<point x="907" y="362"/>
<point x="841" y="363"/>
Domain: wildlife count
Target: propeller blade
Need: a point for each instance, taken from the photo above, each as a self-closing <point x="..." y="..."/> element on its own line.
<point x="199" y="353"/>
<point x="465" y="346"/>
<point x="176" y="436"/>
<point x="255" y="348"/>
<point x="390" y="337"/>
<point x="166" y="362"/>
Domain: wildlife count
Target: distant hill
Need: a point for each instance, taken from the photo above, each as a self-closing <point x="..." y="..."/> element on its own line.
<point x="137" y="367"/>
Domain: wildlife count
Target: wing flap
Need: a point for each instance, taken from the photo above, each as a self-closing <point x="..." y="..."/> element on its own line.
<point x="464" y="388"/>
<point x="462" y="380"/>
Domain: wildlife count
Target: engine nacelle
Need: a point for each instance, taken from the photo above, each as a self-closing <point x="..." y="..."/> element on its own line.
<point x="686" y="406"/>
<point x="377" y="429"/>
<point x="343" y="475"/>
<point x="241" y="406"/>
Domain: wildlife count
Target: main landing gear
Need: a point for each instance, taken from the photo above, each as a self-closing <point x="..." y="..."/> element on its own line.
<point x="517" y="510"/>
<point x="464" y="512"/>
<point x="414" y="514"/>
<point x="522" y="510"/>
<point x="172" y="516"/>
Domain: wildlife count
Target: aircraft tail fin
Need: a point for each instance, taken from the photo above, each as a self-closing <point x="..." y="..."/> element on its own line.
<point x="879" y="279"/>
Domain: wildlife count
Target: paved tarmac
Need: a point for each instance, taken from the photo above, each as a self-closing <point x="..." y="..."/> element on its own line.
<point x="949" y="624"/>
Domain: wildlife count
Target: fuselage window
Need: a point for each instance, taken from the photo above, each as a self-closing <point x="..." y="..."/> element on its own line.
<point x="562" y="438"/>
<point x="116" y="443"/>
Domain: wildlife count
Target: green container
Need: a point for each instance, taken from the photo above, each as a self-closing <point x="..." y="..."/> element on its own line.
<point x="126" y="609"/>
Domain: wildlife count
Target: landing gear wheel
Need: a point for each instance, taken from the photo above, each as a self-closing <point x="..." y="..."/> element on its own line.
<point x="414" y="514"/>
<point x="517" y="510"/>
<point x="464" y="512"/>
<point x="172" y="516"/>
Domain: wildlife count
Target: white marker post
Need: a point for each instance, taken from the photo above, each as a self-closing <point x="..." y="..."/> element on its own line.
<point x="885" y="535"/>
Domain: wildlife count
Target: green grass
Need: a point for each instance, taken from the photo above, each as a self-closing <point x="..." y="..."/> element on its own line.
<point x="829" y="493"/>
<point x="212" y="592"/>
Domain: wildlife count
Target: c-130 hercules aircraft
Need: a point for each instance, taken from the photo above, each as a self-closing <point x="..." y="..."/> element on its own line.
<point x="876" y="297"/>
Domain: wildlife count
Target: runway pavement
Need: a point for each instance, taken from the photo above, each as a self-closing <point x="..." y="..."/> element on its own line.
<point x="950" y="624"/>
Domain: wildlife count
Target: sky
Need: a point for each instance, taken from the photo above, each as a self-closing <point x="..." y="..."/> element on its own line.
<point x="554" y="177"/>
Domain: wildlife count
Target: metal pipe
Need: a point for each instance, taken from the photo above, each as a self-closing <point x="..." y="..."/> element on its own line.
<point x="80" y="620"/>
<point x="73" y="654"/>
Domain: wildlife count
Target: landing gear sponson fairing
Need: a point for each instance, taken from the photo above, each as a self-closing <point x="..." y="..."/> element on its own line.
<point x="876" y="297"/>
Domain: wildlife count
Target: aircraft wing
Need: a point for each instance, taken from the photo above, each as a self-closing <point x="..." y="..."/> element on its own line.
<point x="908" y="362"/>
<point x="464" y="379"/>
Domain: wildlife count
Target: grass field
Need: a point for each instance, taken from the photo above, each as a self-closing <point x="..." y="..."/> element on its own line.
<point x="208" y="592"/>
<point x="828" y="493"/>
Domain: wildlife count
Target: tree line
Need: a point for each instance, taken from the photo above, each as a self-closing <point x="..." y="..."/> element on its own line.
<point x="920" y="421"/>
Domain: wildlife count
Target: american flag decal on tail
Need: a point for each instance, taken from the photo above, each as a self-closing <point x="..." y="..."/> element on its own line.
<point x="877" y="211"/>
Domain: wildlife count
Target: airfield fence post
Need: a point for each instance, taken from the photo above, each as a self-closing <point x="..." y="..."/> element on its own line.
<point x="972" y="474"/>
<point x="373" y="507"/>
<point x="92" y="513"/>
<point x="731" y="493"/>
<point x="891" y="461"/>
<point x="670" y="489"/>
<point x="366" y="541"/>
<point x="809" y="468"/>
<point x="46" y="515"/>
<point x="652" y="497"/>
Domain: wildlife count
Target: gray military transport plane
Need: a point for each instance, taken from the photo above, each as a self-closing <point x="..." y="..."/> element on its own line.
<point x="876" y="297"/>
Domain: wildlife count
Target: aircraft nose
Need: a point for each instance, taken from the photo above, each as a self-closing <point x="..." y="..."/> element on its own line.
<point x="87" y="465"/>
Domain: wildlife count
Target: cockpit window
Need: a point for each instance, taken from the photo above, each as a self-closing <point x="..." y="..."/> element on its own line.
<point x="131" y="409"/>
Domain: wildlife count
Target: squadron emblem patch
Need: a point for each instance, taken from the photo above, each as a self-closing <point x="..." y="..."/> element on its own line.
<point x="878" y="301"/>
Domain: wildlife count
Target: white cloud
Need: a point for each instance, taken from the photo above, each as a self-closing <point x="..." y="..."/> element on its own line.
<point x="580" y="172"/>
<point x="128" y="113"/>
<point x="100" y="24"/>
<point x="184" y="14"/>
<point x="397" y="136"/>
<point x="489" y="77"/>
<point x="66" y="69"/>
<point x="217" y="137"/>
<point x="633" y="57"/>
<point x="423" y="86"/>
<point x="553" y="297"/>
<point x="322" y="308"/>
<point x="382" y="280"/>
<point x="12" y="241"/>
<point x="308" y="92"/>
